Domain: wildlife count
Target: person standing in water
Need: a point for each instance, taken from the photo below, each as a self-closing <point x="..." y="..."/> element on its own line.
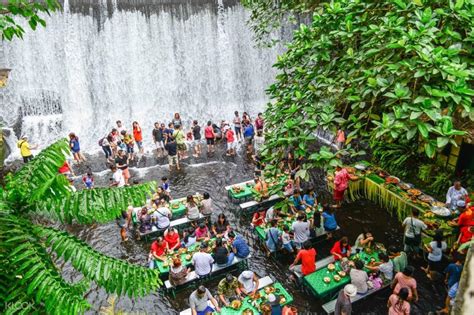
<point x="76" y="148"/>
<point x="238" y="126"/>
<point x="210" y="137"/>
<point x="25" y="149"/>
<point x="158" y="139"/>
<point x="137" y="135"/>
<point x="196" y="129"/>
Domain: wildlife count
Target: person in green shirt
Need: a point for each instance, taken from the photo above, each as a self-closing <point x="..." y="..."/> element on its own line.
<point x="399" y="259"/>
<point x="180" y="138"/>
<point x="228" y="289"/>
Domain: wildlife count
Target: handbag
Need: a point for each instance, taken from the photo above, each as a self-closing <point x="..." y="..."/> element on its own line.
<point x="413" y="241"/>
<point x="278" y="243"/>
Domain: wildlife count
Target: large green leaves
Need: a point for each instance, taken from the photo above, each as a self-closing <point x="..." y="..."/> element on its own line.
<point x="95" y="205"/>
<point x="115" y="275"/>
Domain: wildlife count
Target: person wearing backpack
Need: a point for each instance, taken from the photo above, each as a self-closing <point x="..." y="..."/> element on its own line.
<point x="25" y="149"/>
<point x="413" y="227"/>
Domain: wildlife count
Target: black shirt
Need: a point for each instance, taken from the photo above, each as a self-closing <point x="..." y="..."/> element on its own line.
<point x="158" y="134"/>
<point x="171" y="147"/>
<point x="220" y="255"/>
<point x="197" y="133"/>
<point x="122" y="161"/>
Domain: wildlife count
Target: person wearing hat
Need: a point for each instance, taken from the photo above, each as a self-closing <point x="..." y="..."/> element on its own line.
<point x="248" y="282"/>
<point x="25" y="148"/>
<point x="455" y="193"/>
<point x="228" y="289"/>
<point x="198" y="300"/>
<point x="343" y="302"/>
<point x="202" y="261"/>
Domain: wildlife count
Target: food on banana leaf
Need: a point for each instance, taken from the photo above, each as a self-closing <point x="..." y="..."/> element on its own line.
<point x="327" y="279"/>
<point x="331" y="267"/>
<point x="425" y="198"/>
<point x="414" y="192"/>
<point x="392" y="180"/>
<point x="405" y="186"/>
<point x="236" y="304"/>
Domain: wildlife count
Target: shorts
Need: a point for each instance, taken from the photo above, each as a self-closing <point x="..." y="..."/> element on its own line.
<point x="129" y="149"/>
<point x="28" y="158"/>
<point x="338" y="195"/>
<point x="210" y="141"/>
<point x="288" y="247"/>
<point x="238" y="130"/>
<point x="435" y="265"/>
<point x="196" y="142"/>
<point x="75" y="151"/>
<point x="126" y="173"/>
<point x="182" y="147"/>
<point x="139" y="144"/>
<point x="231" y="145"/>
<point x="208" y="310"/>
<point x="172" y="160"/>
<point x="160" y="144"/>
<point x="248" y="140"/>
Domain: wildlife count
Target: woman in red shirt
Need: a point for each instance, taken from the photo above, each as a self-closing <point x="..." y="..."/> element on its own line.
<point x="210" y="137"/>
<point x="172" y="238"/>
<point x="341" y="249"/>
<point x="258" y="218"/>
<point x="157" y="252"/>
<point x="137" y="135"/>
<point x="308" y="260"/>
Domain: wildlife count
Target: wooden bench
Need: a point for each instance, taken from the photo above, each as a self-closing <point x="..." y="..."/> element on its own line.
<point x="192" y="276"/>
<point x="329" y="307"/>
<point x="319" y="264"/>
<point x="262" y="282"/>
<point x="227" y="188"/>
<point x="174" y="224"/>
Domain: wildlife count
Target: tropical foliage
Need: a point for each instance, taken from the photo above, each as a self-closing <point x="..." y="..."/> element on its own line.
<point x="13" y="10"/>
<point x="30" y="279"/>
<point x="393" y="71"/>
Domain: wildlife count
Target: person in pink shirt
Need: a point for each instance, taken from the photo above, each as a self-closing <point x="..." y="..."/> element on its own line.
<point x="340" y="139"/>
<point x="231" y="143"/>
<point x="210" y="137"/>
<point x="405" y="280"/>
<point x="341" y="182"/>
<point x="398" y="304"/>
<point x="202" y="233"/>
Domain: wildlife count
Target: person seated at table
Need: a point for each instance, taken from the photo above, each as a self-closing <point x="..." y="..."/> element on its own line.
<point x="341" y="249"/>
<point x="248" y="282"/>
<point x="286" y="239"/>
<point x="178" y="272"/>
<point x="272" y="214"/>
<point x="171" y="237"/>
<point x="274" y="301"/>
<point x="228" y="289"/>
<point x="161" y="216"/>
<point x="272" y="238"/>
<point x="189" y="237"/>
<point x="364" y="240"/>
<point x="198" y="300"/>
<point x="161" y="194"/>
<point x="239" y="245"/>
<point x="221" y="227"/>
<point x="221" y="254"/>
<point x="398" y="257"/>
<point x="296" y="202"/>
<point x="455" y="193"/>
<point x="192" y="210"/>
<point x="258" y="219"/>
<point x="157" y="252"/>
<point x="206" y="204"/>
<point x="310" y="199"/>
<point x="144" y="220"/>
<point x="329" y="220"/>
<point x="301" y="230"/>
<point x="307" y="256"/>
<point x="261" y="187"/>
<point x="385" y="266"/>
<point x="202" y="233"/>
<point x="202" y="261"/>
<point x="289" y="188"/>
<point x="359" y="277"/>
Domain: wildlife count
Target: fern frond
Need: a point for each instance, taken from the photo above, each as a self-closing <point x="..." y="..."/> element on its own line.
<point x="114" y="275"/>
<point x="98" y="205"/>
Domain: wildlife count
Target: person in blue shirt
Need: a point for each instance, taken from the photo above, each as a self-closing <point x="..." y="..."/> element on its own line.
<point x="248" y="136"/>
<point x="239" y="246"/>
<point x="329" y="219"/>
<point x="453" y="271"/>
<point x="272" y="237"/>
<point x="296" y="202"/>
<point x="310" y="198"/>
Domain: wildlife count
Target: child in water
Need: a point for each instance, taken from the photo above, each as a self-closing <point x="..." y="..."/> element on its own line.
<point x="88" y="180"/>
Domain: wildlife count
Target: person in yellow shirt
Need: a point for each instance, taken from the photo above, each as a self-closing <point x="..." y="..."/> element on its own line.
<point x="25" y="149"/>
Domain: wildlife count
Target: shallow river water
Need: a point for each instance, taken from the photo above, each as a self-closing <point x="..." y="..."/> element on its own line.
<point x="212" y="174"/>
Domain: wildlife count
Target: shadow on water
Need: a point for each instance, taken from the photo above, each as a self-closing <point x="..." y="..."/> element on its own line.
<point x="212" y="175"/>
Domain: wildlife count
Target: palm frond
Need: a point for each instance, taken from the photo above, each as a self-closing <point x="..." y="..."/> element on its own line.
<point x="98" y="205"/>
<point x="39" y="178"/>
<point x="34" y="275"/>
<point x="114" y="275"/>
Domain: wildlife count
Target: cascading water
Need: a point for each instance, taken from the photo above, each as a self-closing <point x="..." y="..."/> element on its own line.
<point x="142" y="60"/>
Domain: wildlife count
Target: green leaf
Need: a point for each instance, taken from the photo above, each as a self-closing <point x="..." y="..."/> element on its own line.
<point x="442" y="142"/>
<point x="423" y="128"/>
<point x="430" y="150"/>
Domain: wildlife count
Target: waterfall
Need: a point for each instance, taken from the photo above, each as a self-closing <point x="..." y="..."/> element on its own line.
<point x="100" y="61"/>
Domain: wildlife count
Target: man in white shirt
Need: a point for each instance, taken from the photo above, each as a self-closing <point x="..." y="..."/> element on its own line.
<point x="272" y="214"/>
<point x="300" y="230"/>
<point x="455" y="193"/>
<point x="117" y="179"/>
<point x="413" y="227"/>
<point x="203" y="261"/>
<point x="161" y="216"/>
<point x="248" y="282"/>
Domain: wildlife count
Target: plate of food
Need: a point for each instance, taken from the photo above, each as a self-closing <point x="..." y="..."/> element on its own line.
<point x="269" y="289"/>
<point x="188" y="257"/>
<point x="441" y="211"/>
<point x="425" y="198"/>
<point x="438" y="204"/>
<point x="405" y="186"/>
<point x="350" y="169"/>
<point x="308" y="210"/>
<point x="247" y="311"/>
<point x="237" y="189"/>
<point x="331" y="267"/>
<point x="282" y="299"/>
<point x="236" y="304"/>
<point x="175" y="206"/>
<point x="342" y="274"/>
<point x="392" y="180"/>
<point x="330" y="178"/>
<point x="353" y="177"/>
<point x="414" y="192"/>
<point x="360" y="167"/>
<point x="337" y="278"/>
<point x="327" y="279"/>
